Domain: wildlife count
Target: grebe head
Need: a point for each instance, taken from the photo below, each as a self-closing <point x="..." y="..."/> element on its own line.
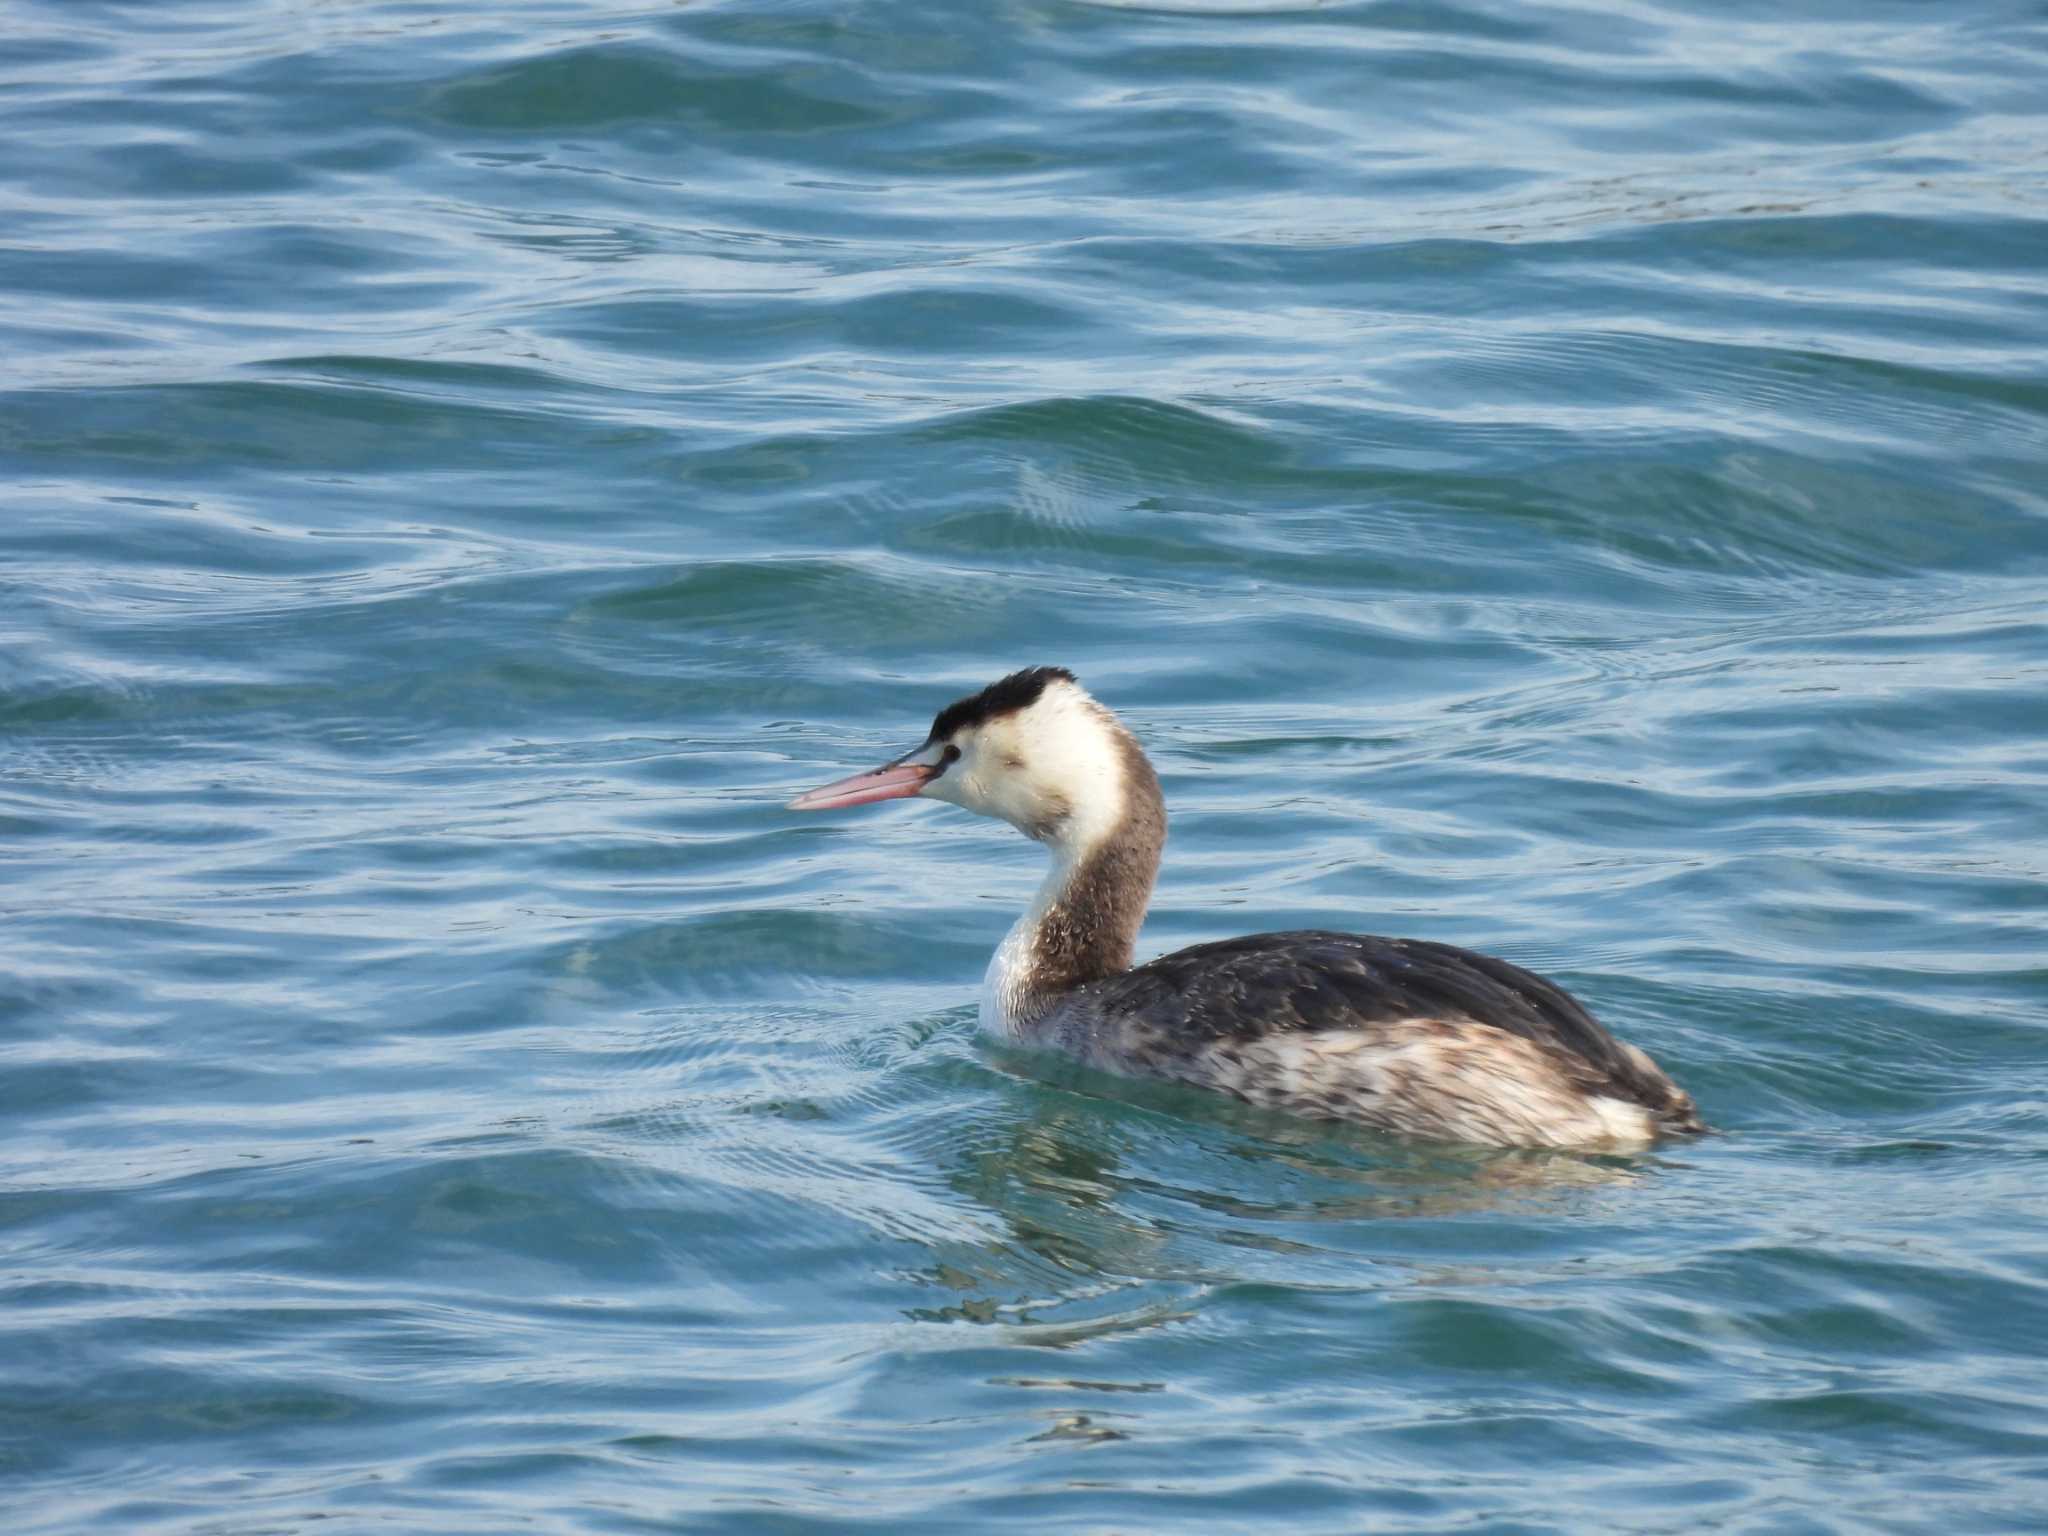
<point x="1033" y="749"/>
<point x="1036" y="751"/>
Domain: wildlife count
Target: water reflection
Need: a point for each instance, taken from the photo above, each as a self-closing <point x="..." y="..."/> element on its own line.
<point x="1123" y="1205"/>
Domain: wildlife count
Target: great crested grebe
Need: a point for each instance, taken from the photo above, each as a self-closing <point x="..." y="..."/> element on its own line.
<point x="1401" y="1035"/>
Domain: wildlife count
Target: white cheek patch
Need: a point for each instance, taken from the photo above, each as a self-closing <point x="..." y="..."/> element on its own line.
<point x="951" y="784"/>
<point x="1070" y="776"/>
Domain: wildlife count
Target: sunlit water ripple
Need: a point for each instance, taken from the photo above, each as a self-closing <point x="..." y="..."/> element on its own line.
<point x="1563" y="479"/>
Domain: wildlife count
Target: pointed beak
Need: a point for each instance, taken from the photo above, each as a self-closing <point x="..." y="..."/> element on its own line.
<point x="891" y="781"/>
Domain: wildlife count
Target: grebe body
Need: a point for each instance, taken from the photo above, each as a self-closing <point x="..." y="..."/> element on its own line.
<point x="1414" y="1038"/>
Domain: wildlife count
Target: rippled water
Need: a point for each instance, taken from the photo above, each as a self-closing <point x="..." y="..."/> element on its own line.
<point x="1571" y="480"/>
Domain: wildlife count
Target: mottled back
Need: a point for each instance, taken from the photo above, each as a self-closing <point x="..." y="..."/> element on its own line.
<point x="1312" y="981"/>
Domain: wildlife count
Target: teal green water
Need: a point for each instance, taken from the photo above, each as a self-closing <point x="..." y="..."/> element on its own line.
<point x="1565" y="479"/>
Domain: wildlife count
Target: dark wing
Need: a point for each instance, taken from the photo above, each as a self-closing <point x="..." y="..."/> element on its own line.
<point x="1267" y="983"/>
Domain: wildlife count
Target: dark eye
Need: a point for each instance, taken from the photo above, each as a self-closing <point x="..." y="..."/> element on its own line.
<point x="950" y="756"/>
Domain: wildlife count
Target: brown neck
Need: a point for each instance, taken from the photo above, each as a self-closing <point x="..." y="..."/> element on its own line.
<point x="1090" y="927"/>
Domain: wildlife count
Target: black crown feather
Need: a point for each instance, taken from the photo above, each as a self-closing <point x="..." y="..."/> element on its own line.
<point x="1020" y="690"/>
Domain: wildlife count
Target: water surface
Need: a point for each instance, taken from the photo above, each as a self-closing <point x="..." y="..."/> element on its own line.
<point x="1565" y="479"/>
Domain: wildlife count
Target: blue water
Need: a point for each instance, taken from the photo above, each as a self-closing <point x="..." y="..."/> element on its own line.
<point x="1565" y="479"/>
